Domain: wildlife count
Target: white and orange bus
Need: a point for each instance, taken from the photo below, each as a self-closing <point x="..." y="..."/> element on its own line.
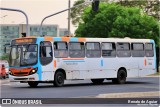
<point x="37" y="60"/>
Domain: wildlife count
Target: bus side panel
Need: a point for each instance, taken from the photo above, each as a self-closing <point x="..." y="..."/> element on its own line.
<point x="110" y="67"/>
<point x="130" y="64"/>
<point x="73" y="67"/>
<point x="99" y="68"/>
<point x="47" y="72"/>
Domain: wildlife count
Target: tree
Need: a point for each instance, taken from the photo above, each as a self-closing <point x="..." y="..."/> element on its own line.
<point x="76" y="12"/>
<point x="150" y="7"/>
<point x="114" y="20"/>
<point x="5" y="57"/>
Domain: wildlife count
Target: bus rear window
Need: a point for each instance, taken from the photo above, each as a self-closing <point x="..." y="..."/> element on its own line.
<point x="137" y="49"/>
<point x="149" y="50"/>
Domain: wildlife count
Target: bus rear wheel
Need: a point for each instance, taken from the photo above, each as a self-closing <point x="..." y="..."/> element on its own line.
<point x="97" y="81"/>
<point x="59" y="79"/>
<point x="32" y="84"/>
<point x="121" y="77"/>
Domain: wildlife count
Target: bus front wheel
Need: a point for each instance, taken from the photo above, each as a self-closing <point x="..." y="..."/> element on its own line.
<point x="59" y="79"/>
<point x="97" y="81"/>
<point x="32" y="83"/>
<point x="121" y="77"/>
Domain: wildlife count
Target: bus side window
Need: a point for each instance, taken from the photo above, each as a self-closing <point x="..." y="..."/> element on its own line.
<point x="149" y="50"/>
<point x="60" y="49"/>
<point x="76" y="50"/>
<point x="46" y="55"/>
<point x="93" y="50"/>
<point x="123" y="49"/>
<point x="137" y="49"/>
<point x="108" y="49"/>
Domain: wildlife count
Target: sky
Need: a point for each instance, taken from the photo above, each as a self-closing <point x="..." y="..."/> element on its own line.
<point x="36" y="11"/>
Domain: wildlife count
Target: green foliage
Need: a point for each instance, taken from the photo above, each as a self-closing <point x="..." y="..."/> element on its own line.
<point x="150" y="7"/>
<point x="114" y="20"/>
<point x="5" y="57"/>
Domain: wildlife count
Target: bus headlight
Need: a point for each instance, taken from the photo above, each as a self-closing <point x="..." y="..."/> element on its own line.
<point x="33" y="71"/>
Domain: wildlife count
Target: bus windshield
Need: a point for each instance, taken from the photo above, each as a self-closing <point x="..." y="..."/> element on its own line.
<point x="23" y="55"/>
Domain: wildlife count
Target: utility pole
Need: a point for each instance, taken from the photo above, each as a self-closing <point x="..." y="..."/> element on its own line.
<point x="69" y="6"/>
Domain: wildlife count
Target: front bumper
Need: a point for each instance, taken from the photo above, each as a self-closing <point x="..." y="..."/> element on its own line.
<point x="33" y="77"/>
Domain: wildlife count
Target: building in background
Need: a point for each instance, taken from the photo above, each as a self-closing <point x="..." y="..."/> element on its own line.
<point x="63" y="31"/>
<point x="49" y="30"/>
<point x="9" y="32"/>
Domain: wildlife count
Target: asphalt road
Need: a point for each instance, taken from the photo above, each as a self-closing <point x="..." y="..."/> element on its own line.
<point x="78" y="89"/>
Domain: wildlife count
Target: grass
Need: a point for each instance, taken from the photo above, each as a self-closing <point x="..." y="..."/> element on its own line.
<point x="156" y="74"/>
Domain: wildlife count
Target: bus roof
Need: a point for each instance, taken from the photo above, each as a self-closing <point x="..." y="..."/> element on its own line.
<point x="82" y="39"/>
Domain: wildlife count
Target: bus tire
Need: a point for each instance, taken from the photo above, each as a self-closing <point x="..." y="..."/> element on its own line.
<point x="59" y="79"/>
<point x="97" y="81"/>
<point x="121" y="77"/>
<point x="32" y="84"/>
<point x="114" y="81"/>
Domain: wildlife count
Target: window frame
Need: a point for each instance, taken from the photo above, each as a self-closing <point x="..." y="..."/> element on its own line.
<point x="45" y="60"/>
<point x="109" y="50"/>
<point x="76" y="49"/>
<point x="123" y="49"/>
<point x="93" y="50"/>
<point x="149" y="50"/>
<point x="61" y="49"/>
<point x="152" y="46"/>
<point x="138" y="49"/>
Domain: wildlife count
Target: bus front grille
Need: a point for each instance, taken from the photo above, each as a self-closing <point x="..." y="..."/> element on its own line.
<point x="20" y="74"/>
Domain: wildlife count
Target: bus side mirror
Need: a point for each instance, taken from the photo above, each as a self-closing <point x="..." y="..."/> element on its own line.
<point x="95" y="5"/>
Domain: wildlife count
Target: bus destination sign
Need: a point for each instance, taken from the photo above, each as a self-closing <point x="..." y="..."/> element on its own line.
<point x="23" y="41"/>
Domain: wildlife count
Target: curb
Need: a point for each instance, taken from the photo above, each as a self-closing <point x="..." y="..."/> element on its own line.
<point x="4" y="81"/>
<point x="130" y="95"/>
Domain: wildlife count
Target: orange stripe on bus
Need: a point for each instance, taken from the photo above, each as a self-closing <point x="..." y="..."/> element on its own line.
<point x="65" y="39"/>
<point x="73" y="58"/>
<point x="81" y="39"/>
<point x="55" y="63"/>
<point x="145" y="62"/>
<point x="46" y="38"/>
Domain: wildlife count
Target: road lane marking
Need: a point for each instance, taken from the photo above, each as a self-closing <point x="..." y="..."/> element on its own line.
<point x="6" y="84"/>
<point x="4" y="81"/>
